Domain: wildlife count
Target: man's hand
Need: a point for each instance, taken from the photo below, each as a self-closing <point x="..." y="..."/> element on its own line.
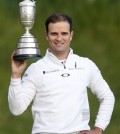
<point x="17" y="66"/>
<point x="96" y="130"/>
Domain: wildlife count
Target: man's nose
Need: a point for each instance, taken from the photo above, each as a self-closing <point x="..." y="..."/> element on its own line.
<point x="59" y="37"/>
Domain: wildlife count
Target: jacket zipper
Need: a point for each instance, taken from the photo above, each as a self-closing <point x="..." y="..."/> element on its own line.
<point x="64" y="65"/>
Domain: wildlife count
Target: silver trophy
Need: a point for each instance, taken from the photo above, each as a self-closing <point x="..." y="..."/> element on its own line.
<point x="27" y="46"/>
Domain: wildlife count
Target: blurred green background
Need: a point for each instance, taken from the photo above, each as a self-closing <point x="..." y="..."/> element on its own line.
<point x="96" y="24"/>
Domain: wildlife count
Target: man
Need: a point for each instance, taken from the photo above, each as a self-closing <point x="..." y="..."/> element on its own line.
<point x="58" y="84"/>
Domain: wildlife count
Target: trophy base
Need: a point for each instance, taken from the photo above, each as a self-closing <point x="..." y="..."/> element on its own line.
<point x="27" y="48"/>
<point x="26" y="56"/>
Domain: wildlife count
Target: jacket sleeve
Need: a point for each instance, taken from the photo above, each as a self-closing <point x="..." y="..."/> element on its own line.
<point x="21" y="93"/>
<point x="105" y="96"/>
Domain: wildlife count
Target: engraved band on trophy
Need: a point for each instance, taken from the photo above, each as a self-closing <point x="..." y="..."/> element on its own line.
<point x="27" y="46"/>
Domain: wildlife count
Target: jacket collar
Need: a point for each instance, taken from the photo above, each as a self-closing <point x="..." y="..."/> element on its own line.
<point x="54" y="59"/>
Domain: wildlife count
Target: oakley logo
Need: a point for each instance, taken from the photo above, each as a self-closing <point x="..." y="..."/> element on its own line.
<point x="65" y="75"/>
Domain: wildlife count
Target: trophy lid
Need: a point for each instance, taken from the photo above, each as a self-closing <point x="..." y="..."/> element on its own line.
<point x="27" y="3"/>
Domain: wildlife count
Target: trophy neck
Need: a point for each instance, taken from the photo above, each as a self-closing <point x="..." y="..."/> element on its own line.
<point x="27" y="33"/>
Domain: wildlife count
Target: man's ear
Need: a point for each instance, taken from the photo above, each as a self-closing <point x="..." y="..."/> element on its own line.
<point x="72" y="33"/>
<point x="46" y="35"/>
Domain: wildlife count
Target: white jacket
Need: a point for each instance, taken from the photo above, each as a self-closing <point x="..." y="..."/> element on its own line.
<point x="59" y="93"/>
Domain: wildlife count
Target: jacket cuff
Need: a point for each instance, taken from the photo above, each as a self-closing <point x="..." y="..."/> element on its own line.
<point x="15" y="82"/>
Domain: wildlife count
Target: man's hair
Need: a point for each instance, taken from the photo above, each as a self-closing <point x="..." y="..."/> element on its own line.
<point x="58" y="17"/>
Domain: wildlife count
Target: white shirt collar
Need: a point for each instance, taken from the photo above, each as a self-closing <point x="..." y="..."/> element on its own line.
<point x="52" y="57"/>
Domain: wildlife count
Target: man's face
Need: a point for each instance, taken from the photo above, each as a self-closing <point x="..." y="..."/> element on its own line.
<point x="59" y="37"/>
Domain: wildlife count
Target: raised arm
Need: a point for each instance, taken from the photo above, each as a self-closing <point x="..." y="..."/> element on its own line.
<point x="21" y="92"/>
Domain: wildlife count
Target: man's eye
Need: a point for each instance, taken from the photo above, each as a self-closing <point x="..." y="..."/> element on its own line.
<point x="53" y="34"/>
<point x="65" y="33"/>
